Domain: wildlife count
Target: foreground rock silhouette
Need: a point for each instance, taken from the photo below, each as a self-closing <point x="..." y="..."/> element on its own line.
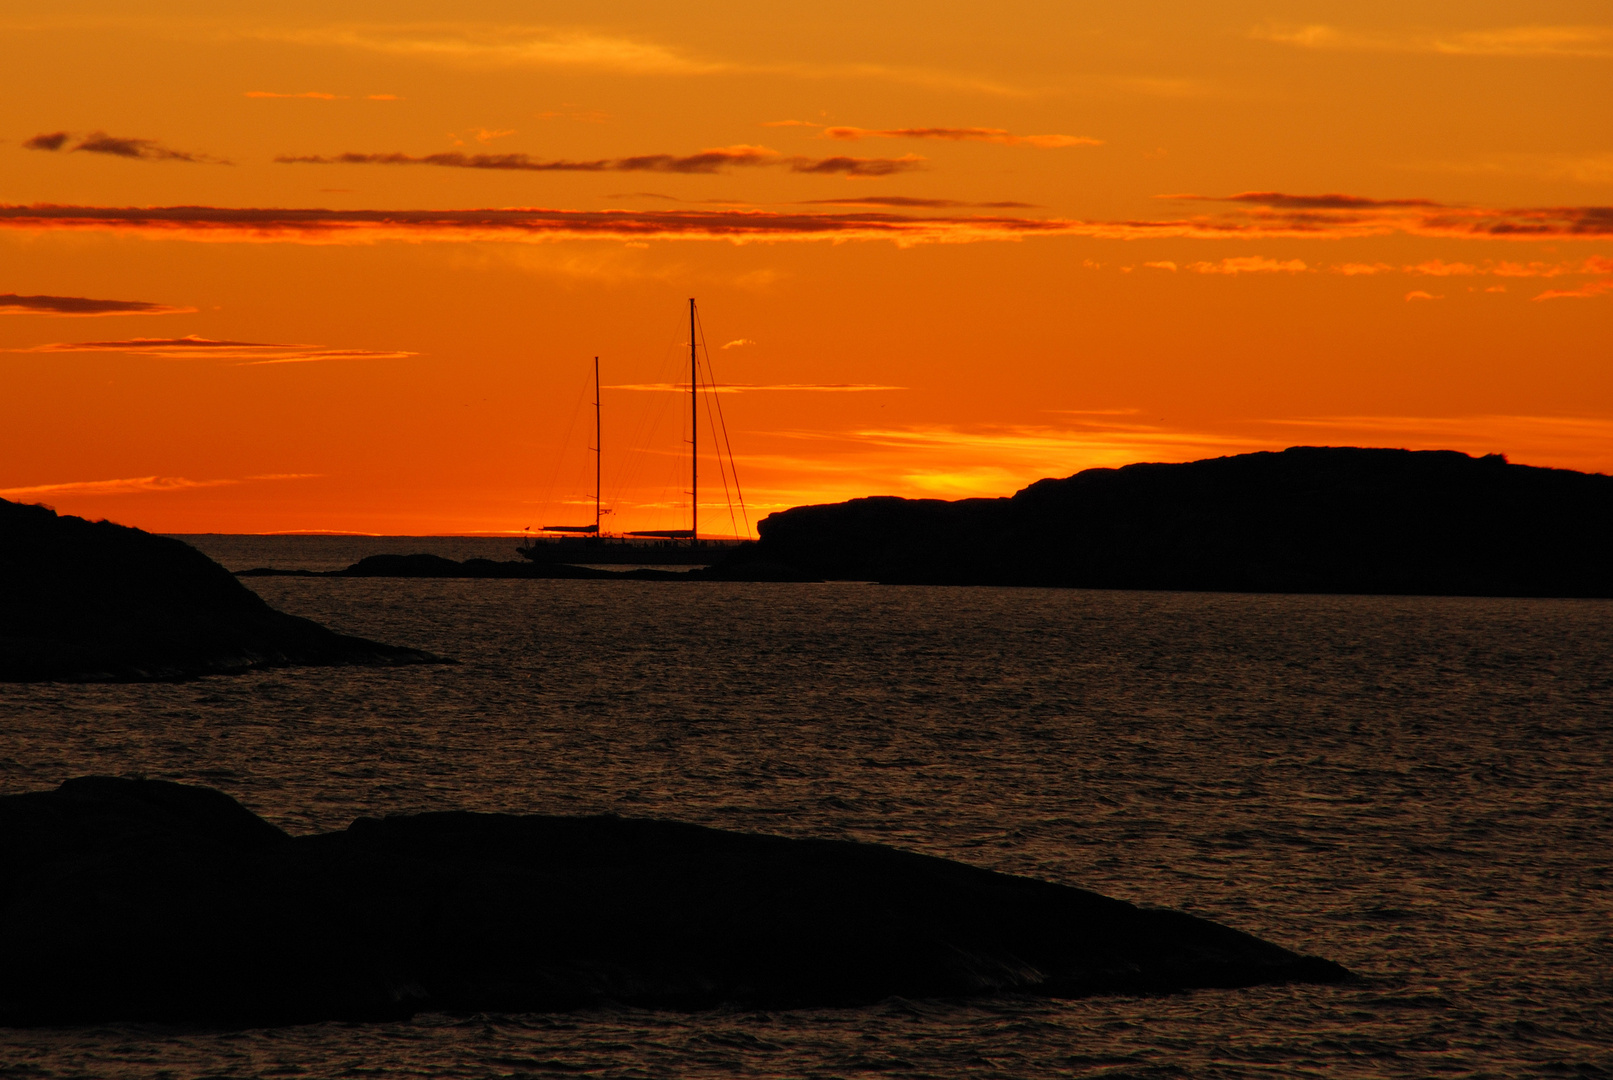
<point x="1308" y="519"/>
<point x="154" y="901"/>
<point x="85" y="601"/>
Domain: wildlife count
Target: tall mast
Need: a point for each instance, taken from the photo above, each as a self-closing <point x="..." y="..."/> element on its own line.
<point x="694" y="436"/>
<point x="599" y="447"/>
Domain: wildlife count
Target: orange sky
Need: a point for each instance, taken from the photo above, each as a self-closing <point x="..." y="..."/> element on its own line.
<point x="950" y="248"/>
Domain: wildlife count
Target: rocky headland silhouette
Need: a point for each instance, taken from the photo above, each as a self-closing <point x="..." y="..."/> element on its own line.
<point x="1305" y="520"/>
<point x="84" y="601"/>
<point x="143" y="900"/>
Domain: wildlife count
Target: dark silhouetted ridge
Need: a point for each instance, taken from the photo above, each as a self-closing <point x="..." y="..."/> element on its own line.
<point x="93" y="601"/>
<point x="148" y="900"/>
<point x="1308" y="519"/>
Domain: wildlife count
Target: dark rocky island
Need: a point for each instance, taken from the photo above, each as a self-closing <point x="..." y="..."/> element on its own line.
<point x="152" y="901"/>
<point x="1306" y="520"/>
<point x="85" y="601"/>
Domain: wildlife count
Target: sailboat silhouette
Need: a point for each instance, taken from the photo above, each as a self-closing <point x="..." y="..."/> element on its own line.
<point x="586" y="543"/>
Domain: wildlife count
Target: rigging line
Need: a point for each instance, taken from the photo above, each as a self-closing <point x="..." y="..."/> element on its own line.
<point x="732" y="464"/>
<point x="715" y="396"/>
<point x="712" y="420"/>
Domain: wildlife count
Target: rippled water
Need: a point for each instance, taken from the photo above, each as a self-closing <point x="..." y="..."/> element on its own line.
<point x="1418" y="788"/>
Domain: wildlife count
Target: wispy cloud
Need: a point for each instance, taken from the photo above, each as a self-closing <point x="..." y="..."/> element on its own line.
<point x="128" y="485"/>
<point x="512" y="45"/>
<point x="312" y="95"/>
<point x="1519" y="41"/>
<point x="99" y="142"/>
<point x="1594" y="265"/>
<point x="505" y="45"/>
<point x="1441" y="268"/>
<point x="1600" y="287"/>
<point x="138" y="485"/>
<point x="1599" y="267"/>
<point x="1246" y="264"/>
<point x="747" y="388"/>
<point x="13" y="304"/>
<point x="192" y="347"/>
<point x="961" y="134"/>
<point x="738" y="343"/>
<point x="714" y="160"/>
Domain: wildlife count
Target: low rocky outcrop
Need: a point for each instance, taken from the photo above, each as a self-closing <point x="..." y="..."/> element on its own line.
<point x="1307" y="520"/>
<point x="152" y="901"/>
<point x="84" y="601"/>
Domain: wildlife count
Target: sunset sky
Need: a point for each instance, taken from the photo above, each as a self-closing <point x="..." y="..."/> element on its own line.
<point x="345" y="266"/>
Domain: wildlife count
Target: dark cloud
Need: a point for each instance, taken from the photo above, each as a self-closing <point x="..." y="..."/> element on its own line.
<point x="915" y="203"/>
<point x="742" y="224"/>
<point x="99" y="142"/>
<point x="1333" y="214"/>
<point x="1280" y="201"/>
<point x="361" y="226"/>
<point x="852" y="166"/>
<point x="188" y="343"/>
<point x="705" y="162"/>
<point x="1569" y="222"/>
<point x="12" y="303"/>
<point x="52" y="140"/>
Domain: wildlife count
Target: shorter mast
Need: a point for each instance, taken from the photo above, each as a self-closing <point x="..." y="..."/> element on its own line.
<point x="694" y="437"/>
<point x="599" y="447"/>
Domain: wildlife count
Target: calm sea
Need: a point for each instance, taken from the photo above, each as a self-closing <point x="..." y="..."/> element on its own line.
<point x="1418" y="788"/>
